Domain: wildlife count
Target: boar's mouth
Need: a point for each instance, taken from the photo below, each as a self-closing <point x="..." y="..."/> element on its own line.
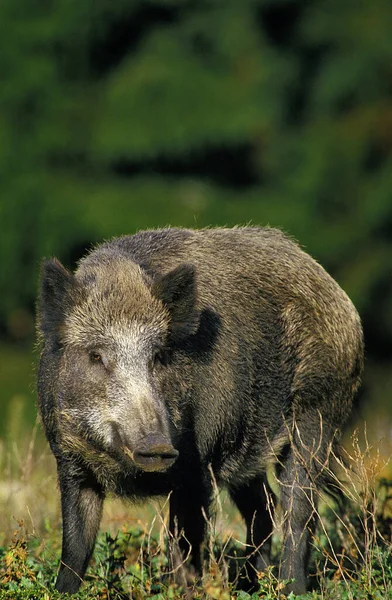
<point x="154" y="453"/>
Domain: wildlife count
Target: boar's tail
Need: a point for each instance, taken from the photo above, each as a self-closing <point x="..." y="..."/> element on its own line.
<point x="335" y="479"/>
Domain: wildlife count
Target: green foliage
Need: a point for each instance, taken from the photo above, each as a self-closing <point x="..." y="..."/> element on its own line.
<point x="119" y="115"/>
<point x="131" y="564"/>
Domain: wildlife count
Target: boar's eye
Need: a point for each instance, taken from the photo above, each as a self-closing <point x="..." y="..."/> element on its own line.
<point x="96" y="357"/>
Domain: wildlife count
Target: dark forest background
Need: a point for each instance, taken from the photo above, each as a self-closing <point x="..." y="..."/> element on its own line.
<point x="117" y="115"/>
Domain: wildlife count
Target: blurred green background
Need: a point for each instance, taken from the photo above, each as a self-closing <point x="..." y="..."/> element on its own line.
<point x="117" y="115"/>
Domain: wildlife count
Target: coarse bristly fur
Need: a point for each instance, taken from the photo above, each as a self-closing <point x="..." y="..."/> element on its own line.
<point x="173" y="352"/>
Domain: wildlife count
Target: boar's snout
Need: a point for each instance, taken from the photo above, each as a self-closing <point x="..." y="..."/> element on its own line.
<point x="154" y="452"/>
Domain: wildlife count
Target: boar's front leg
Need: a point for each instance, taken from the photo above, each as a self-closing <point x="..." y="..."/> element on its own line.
<point x="189" y="507"/>
<point x="81" y="505"/>
<point x="256" y="503"/>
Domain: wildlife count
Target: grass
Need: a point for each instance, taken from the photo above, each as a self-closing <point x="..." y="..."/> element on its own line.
<point x="351" y="557"/>
<point x="17" y="389"/>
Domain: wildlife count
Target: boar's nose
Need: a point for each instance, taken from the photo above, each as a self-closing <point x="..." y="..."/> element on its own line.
<point x="154" y="453"/>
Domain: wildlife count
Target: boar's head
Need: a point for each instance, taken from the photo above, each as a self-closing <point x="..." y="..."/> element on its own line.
<point x="109" y="326"/>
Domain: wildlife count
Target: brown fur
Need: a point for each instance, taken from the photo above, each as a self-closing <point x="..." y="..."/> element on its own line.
<point x="259" y="352"/>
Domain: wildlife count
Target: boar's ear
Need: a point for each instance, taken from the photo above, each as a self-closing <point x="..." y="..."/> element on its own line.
<point x="177" y="291"/>
<point x="56" y="283"/>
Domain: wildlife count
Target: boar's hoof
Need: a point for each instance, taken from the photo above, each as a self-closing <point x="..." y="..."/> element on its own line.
<point x="155" y="453"/>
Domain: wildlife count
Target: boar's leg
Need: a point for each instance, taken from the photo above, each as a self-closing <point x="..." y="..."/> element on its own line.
<point x="81" y="504"/>
<point x="256" y="502"/>
<point x="300" y="475"/>
<point x="188" y="512"/>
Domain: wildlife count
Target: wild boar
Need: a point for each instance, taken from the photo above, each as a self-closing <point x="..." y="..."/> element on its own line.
<point x="173" y="354"/>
